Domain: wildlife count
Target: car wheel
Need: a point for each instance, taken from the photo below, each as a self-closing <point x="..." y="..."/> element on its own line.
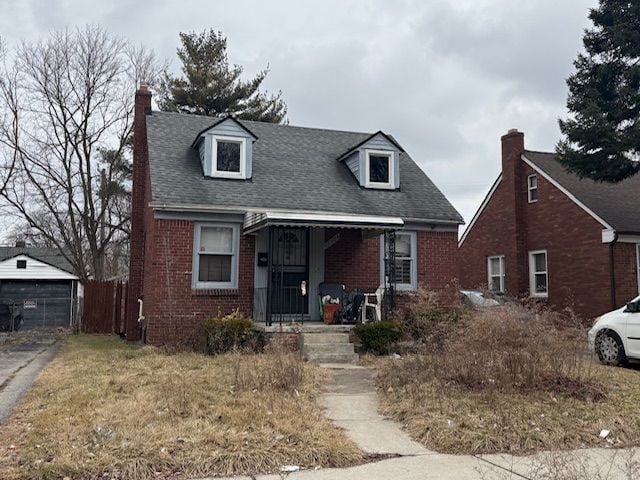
<point x="610" y="349"/>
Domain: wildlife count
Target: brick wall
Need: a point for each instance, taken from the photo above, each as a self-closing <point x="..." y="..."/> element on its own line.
<point x="139" y="200"/>
<point x="578" y="261"/>
<point x="173" y="310"/>
<point x="437" y="259"/>
<point x="352" y="260"/>
<point x="626" y="271"/>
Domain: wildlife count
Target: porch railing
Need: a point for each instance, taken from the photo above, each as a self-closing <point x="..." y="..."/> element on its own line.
<point x="287" y="305"/>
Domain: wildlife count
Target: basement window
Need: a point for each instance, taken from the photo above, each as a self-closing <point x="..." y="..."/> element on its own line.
<point x="229" y="157"/>
<point x="215" y="259"/>
<point x="379" y="169"/>
<point x="532" y="188"/>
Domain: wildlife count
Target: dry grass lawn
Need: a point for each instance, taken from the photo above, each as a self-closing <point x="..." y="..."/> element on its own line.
<point x="448" y="418"/>
<point x="104" y="407"/>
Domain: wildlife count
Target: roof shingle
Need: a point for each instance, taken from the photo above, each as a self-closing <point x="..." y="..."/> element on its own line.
<point x="293" y="167"/>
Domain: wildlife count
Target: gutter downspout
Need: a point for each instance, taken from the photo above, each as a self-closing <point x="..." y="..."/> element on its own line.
<point x="612" y="271"/>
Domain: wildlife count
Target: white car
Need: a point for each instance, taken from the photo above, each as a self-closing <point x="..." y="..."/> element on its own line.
<point x="615" y="336"/>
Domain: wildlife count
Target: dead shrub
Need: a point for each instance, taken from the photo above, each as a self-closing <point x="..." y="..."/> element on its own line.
<point x="505" y="349"/>
<point x="431" y="317"/>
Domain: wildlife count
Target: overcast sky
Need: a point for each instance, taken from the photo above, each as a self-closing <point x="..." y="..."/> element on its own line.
<point x="446" y="78"/>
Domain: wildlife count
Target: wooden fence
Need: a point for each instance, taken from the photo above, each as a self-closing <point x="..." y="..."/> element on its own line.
<point x="104" y="306"/>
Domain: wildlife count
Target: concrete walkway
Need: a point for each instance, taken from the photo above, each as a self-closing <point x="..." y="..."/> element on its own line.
<point x="20" y="366"/>
<point x="351" y="402"/>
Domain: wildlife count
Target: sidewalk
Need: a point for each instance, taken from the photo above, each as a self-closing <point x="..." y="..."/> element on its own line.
<point x="351" y="402"/>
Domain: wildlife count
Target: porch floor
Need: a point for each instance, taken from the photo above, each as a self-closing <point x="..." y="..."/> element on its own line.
<point x="309" y="326"/>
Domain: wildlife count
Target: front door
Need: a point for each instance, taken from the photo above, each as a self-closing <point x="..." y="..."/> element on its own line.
<point x="289" y="268"/>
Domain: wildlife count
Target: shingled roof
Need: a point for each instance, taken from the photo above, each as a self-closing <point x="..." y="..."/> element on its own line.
<point x="618" y="204"/>
<point x="293" y="167"/>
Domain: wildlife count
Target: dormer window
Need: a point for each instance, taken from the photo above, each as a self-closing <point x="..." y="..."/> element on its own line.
<point x="229" y="157"/>
<point x="379" y="169"/>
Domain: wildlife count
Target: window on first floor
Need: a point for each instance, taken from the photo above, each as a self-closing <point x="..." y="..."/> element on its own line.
<point x="216" y="256"/>
<point x="495" y="273"/>
<point x="405" y="271"/>
<point x="538" y="274"/>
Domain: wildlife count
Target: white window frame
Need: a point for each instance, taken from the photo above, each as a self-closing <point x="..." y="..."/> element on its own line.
<point x="367" y="169"/>
<point x="500" y="274"/>
<point x="404" y="287"/>
<point x="235" y="252"/>
<point x="531" y="189"/>
<point x="533" y="272"/>
<point x="214" y="157"/>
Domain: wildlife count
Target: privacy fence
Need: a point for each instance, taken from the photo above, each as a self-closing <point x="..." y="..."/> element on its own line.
<point x="104" y="306"/>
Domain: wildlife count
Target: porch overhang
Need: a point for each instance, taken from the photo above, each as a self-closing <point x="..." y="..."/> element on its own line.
<point x="254" y="221"/>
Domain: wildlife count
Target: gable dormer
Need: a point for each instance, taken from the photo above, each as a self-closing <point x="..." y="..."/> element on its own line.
<point x="375" y="162"/>
<point x="226" y="149"/>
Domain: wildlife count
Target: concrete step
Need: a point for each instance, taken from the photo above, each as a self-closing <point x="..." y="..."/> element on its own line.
<point x="322" y="348"/>
<point x="333" y="358"/>
<point x="325" y="337"/>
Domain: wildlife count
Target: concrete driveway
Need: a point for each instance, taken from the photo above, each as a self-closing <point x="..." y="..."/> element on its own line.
<point x="20" y="366"/>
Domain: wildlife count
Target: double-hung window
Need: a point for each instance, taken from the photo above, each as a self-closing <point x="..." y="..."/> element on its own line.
<point x="216" y="256"/>
<point x="532" y="188"/>
<point x="495" y="273"/>
<point x="538" y="274"/>
<point x="404" y="274"/>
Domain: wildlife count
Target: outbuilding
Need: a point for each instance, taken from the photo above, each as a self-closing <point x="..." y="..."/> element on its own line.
<point x="39" y="285"/>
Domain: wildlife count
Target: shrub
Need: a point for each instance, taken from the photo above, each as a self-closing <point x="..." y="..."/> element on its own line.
<point x="379" y="336"/>
<point x="430" y="319"/>
<point x="231" y="332"/>
<point x="506" y="349"/>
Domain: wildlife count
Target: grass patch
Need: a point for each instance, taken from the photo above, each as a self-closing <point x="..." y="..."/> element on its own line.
<point x="105" y="407"/>
<point x="510" y="380"/>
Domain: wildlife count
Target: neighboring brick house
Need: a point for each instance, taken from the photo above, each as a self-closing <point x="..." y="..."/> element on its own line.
<point x="544" y="232"/>
<point x="230" y="214"/>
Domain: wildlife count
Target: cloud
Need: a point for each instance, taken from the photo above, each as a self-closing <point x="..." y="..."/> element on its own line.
<point x="447" y="79"/>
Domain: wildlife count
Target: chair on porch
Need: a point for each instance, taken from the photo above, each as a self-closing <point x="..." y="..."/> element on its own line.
<point x="377" y="306"/>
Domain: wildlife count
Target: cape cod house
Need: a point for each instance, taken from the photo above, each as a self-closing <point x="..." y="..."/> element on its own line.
<point x="546" y="233"/>
<point x="230" y="214"/>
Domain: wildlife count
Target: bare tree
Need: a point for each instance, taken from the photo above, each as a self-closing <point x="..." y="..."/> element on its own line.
<point x="67" y="120"/>
<point x="8" y="159"/>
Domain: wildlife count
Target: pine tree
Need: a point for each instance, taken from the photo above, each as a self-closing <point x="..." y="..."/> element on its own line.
<point x="602" y="136"/>
<point x="210" y="86"/>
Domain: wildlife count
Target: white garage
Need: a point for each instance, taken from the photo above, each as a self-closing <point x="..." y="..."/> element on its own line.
<point x="39" y="286"/>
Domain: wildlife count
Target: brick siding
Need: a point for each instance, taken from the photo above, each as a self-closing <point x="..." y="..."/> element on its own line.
<point x="578" y="261"/>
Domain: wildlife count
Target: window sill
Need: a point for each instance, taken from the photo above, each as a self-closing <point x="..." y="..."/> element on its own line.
<point x="215" y="292"/>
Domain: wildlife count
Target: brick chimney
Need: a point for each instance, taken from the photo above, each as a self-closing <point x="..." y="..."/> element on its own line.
<point x="512" y="178"/>
<point x="142" y="108"/>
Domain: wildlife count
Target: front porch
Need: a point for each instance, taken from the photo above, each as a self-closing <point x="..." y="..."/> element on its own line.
<point x="294" y="255"/>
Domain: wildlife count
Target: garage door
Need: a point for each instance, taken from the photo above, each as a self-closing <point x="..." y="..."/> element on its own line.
<point x="43" y="303"/>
